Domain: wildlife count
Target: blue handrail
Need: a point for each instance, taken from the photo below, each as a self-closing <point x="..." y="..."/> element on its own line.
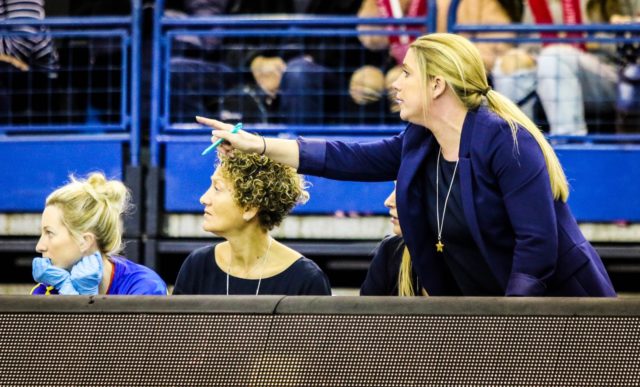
<point x="275" y="20"/>
<point x="155" y="83"/>
<point x="94" y="22"/>
<point x="136" y="68"/>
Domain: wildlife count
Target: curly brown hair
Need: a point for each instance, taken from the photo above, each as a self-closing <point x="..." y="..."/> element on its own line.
<point x="259" y="182"/>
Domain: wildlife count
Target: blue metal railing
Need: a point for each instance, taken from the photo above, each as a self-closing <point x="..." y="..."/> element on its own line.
<point x="161" y="102"/>
<point x="175" y="135"/>
<point x="64" y="122"/>
<point x="166" y="30"/>
<point x="73" y="113"/>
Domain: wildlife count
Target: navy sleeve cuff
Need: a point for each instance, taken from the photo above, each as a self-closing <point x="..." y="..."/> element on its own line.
<point x="521" y="284"/>
<point x="312" y="156"/>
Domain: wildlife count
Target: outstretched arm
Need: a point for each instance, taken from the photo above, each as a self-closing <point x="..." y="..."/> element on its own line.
<point x="355" y="161"/>
<point x="280" y="150"/>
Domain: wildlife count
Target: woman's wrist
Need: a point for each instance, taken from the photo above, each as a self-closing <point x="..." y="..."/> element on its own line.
<point x="259" y="145"/>
<point x="264" y="146"/>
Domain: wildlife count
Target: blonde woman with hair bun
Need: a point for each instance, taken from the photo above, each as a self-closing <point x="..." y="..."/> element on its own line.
<point x="81" y="236"/>
<point x="481" y="195"/>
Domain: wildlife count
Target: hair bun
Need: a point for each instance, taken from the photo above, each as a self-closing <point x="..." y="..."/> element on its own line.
<point x="112" y="192"/>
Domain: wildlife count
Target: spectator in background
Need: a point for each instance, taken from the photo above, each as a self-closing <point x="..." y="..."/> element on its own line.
<point x="199" y="76"/>
<point x="315" y="91"/>
<point x="628" y="90"/>
<point x="390" y="272"/>
<point x="575" y="84"/>
<point x="28" y="62"/>
<point x="81" y="233"/>
<point x="368" y="83"/>
<point x="35" y="50"/>
<point x="293" y="79"/>
<point x="249" y="196"/>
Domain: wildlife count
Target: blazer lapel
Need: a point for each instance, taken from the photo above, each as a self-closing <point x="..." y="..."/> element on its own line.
<point x="466" y="189"/>
<point x="411" y="204"/>
<point x="417" y="143"/>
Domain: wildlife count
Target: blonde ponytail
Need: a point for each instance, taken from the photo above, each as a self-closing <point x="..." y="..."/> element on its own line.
<point x="405" y="277"/>
<point x="510" y="112"/>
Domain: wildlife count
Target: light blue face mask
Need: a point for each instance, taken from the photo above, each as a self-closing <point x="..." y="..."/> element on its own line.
<point x="517" y="87"/>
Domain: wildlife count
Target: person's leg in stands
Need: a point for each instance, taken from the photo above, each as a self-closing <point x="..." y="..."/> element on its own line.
<point x="197" y="86"/>
<point x="302" y="91"/>
<point x="514" y="76"/>
<point x="599" y="81"/>
<point x="570" y="80"/>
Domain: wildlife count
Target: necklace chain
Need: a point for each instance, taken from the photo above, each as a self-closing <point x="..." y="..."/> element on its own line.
<point x="264" y="260"/>
<point x="439" y="224"/>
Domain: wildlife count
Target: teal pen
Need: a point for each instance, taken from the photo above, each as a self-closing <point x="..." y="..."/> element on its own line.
<point x="219" y="141"/>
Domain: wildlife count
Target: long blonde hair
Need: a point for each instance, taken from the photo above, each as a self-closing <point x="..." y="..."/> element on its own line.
<point x="458" y="61"/>
<point x="93" y="205"/>
<point x="405" y="277"/>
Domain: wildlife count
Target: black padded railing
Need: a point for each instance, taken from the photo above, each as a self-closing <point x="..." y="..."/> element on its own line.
<point x="318" y="341"/>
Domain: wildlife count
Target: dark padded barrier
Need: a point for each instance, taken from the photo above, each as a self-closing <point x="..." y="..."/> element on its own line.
<point x="318" y="341"/>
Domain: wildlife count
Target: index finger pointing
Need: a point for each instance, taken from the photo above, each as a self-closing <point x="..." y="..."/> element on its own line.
<point x="214" y="123"/>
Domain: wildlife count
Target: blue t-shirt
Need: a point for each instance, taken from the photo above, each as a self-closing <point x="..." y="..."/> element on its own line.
<point x="43" y="290"/>
<point x="200" y="274"/>
<point x="127" y="278"/>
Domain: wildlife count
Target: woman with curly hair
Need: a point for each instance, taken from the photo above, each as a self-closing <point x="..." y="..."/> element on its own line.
<point x="250" y="195"/>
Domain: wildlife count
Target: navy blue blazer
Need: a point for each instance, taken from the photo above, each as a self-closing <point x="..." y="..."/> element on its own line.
<point x="532" y="243"/>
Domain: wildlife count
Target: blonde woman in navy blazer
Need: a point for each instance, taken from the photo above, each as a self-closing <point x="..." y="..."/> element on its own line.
<point x="500" y="225"/>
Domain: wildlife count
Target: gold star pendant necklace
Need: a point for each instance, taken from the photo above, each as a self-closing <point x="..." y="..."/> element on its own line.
<point x="440" y="224"/>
